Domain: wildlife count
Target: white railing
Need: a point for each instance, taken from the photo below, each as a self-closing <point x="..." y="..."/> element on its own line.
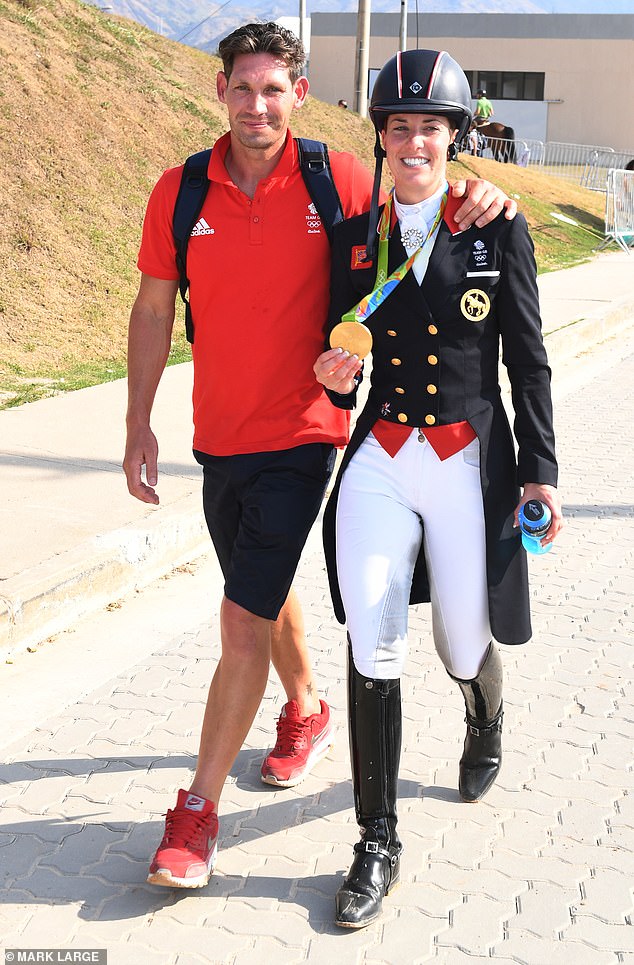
<point x="584" y="164"/>
<point x="619" y="208"/>
<point x="598" y="165"/>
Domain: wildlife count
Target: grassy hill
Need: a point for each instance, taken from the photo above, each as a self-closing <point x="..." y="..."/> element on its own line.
<point x="92" y="109"/>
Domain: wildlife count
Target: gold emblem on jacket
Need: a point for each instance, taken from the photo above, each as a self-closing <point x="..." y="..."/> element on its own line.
<point x="475" y="305"/>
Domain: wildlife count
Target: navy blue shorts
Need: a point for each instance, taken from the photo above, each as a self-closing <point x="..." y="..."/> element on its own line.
<point x="259" y="509"/>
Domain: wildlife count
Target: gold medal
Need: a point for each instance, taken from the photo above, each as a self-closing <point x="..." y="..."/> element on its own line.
<point x="475" y="305"/>
<point x="352" y="337"/>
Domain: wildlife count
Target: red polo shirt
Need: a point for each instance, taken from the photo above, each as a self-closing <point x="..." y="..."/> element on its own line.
<point x="259" y="271"/>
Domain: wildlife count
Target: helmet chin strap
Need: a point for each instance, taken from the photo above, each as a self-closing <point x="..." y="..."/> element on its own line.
<point x="371" y="243"/>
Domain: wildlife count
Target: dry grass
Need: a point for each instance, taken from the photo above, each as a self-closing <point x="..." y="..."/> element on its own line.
<point x="92" y="109"/>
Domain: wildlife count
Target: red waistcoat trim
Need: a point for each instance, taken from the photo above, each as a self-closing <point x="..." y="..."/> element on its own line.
<point x="444" y="440"/>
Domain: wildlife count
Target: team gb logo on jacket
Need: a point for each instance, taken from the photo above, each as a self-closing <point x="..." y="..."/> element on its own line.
<point x="313" y="222"/>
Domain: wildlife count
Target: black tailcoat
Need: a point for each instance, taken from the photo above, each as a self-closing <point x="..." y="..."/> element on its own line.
<point x="435" y="361"/>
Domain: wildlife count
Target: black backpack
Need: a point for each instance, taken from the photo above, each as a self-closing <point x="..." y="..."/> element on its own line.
<point x="315" y="167"/>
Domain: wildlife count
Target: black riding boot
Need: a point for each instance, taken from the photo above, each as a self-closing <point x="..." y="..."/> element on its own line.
<point x="374" y="714"/>
<point x="482" y="756"/>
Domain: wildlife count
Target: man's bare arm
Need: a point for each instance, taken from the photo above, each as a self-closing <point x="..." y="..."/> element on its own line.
<point x="149" y="339"/>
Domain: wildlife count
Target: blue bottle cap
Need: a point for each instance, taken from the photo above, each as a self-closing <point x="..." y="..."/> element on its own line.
<point x="534" y="518"/>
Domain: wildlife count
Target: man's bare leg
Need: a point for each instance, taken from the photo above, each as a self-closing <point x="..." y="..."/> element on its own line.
<point x="289" y="655"/>
<point x="235" y="694"/>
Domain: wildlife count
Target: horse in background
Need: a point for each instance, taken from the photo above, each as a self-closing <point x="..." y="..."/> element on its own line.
<point x="496" y="133"/>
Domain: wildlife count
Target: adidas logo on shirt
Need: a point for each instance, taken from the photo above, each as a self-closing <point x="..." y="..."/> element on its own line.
<point x="201" y="228"/>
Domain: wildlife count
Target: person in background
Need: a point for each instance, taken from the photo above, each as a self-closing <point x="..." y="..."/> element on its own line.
<point x="342" y="103"/>
<point x="264" y="431"/>
<point x="425" y="504"/>
<point x="484" y="109"/>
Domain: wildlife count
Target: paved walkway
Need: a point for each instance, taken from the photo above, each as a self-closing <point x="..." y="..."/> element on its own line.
<point x="99" y="727"/>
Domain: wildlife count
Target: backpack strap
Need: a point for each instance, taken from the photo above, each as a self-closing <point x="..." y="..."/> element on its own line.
<point x="315" y="167"/>
<point x="189" y="201"/>
<point x="314" y="164"/>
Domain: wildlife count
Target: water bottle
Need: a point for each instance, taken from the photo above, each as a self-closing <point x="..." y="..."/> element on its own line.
<point x="534" y="518"/>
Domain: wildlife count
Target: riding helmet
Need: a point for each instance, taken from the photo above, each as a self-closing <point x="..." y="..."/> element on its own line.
<point x="423" y="82"/>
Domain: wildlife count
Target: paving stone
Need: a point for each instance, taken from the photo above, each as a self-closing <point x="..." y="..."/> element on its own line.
<point x="527" y="949"/>
<point x="130" y="909"/>
<point x="50" y="926"/>
<point x="600" y="854"/>
<point x="581" y="791"/>
<point x="256" y="922"/>
<point x="158" y="934"/>
<point x="618" y="939"/>
<point x="239" y="861"/>
<point x="316" y="895"/>
<point x="18" y="772"/>
<point x="75" y="807"/>
<point x="75" y="733"/>
<point x="47" y="885"/>
<point x="616" y="752"/>
<point x="44" y="794"/>
<point x="608" y="894"/>
<point x="19" y="857"/>
<point x="619" y="835"/>
<point x="621" y="782"/>
<point x="584" y="821"/>
<point x="107" y="783"/>
<point x="266" y="949"/>
<point x="477" y="924"/>
<point x="78" y="851"/>
<point x="396" y="941"/>
<point x="526" y="831"/>
<point x="566" y="759"/>
<point x="545" y="908"/>
<point x="128" y="954"/>
<point x="326" y="946"/>
<point x="530" y="868"/>
<point x="490" y="883"/>
<point x="44" y="829"/>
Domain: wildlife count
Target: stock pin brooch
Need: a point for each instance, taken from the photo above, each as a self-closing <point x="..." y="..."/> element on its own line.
<point x="412" y="237"/>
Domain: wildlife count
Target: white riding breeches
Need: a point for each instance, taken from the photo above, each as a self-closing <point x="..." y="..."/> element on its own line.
<point x="382" y="503"/>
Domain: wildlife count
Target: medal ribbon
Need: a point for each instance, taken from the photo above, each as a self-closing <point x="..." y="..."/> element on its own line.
<point x="383" y="285"/>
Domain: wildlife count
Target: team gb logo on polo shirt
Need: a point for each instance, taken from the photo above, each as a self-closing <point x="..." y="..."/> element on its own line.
<point x="313" y="222"/>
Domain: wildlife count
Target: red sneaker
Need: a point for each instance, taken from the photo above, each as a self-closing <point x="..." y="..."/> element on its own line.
<point x="187" y="853"/>
<point x="301" y="742"/>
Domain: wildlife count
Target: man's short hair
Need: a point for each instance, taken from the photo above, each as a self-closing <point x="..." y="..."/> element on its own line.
<point x="263" y="38"/>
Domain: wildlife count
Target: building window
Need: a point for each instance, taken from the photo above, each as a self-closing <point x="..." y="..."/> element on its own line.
<point x="507" y="84"/>
<point x="533" y="87"/>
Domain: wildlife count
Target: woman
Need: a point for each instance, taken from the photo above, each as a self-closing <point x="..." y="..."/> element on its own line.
<point x="425" y="505"/>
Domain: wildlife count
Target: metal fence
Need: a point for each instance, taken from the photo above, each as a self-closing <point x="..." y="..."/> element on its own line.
<point x="599" y="164"/>
<point x="583" y="164"/>
<point x="619" y="208"/>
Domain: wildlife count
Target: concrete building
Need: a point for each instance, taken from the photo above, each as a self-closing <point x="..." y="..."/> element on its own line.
<point x="552" y="77"/>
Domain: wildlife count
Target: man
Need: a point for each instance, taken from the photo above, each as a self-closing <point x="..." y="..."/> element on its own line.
<point x="264" y="431"/>
<point x="484" y="109"/>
